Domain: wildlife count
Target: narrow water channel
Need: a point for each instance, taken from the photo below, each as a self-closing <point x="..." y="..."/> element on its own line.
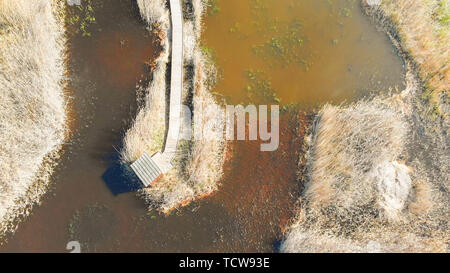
<point x="305" y="52"/>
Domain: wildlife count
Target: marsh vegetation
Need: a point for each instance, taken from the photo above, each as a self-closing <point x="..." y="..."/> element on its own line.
<point x="360" y="167"/>
<point x="33" y="104"/>
<point x="424" y="32"/>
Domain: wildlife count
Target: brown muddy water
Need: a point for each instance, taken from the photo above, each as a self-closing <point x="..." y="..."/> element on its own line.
<point x="308" y="51"/>
<point x="256" y="46"/>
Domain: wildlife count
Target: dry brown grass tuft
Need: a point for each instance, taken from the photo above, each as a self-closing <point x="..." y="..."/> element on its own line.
<point x="348" y="144"/>
<point x="423" y="201"/>
<point x="33" y="107"/>
<point x="360" y="197"/>
<point x="423" y="27"/>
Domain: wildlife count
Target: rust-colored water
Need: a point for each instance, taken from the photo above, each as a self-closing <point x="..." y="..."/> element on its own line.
<point x="259" y="190"/>
<point x="311" y="51"/>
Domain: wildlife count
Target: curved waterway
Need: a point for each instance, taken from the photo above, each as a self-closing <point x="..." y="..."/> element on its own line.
<point x="303" y="52"/>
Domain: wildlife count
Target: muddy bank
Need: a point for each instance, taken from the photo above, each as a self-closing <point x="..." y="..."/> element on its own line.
<point x="422" y="30"/>
<point x="33" y="104"/>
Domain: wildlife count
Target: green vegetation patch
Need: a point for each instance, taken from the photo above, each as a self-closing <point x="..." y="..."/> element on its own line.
<point x="443" y="12"/>
<point x="259" y="89"/>
<point x="283" y="39"/>
<point x="283" y="48"/>
<point x="80" y="18"/>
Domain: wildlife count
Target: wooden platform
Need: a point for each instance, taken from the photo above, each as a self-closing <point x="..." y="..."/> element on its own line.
<point x="146" y="169"/>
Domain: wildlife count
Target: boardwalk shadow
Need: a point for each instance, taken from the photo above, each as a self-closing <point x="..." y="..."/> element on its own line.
<point x="119" y="178"/>
<point x="276" y="246"/>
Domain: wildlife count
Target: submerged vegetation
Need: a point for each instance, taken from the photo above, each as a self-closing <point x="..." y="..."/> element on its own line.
<point x="212" y="6"/>
<point x="292" y="44"/>
<point x="92" y="225"/>
<point x="283" y="48"/>
<point x="80" y="18"/>
<point x="33" y="107"/>
<point x="259" y="90"/>
<point x="284" y="40"/>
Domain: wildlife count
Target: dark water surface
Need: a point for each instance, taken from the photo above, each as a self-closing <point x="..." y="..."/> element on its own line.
<point x="341" y="56"/>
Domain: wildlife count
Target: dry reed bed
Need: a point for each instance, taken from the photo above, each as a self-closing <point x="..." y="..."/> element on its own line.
<point x="378" y="169"/>
<point x="198" y="165"/>
<point x="360" y="196"/>
<point x="33" y="107"/>
<point x="423" y="27"/>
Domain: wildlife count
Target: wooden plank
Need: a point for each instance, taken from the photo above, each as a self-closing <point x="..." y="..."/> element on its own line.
<point x="146" y="169"/>
<point x="176" y="80"/>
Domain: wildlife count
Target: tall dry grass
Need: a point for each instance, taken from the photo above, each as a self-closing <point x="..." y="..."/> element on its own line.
<point x="32" y="104"/>
<point x="424" y="32"/>
<point x="198" y="164"/>
<point x="360" y="195"/>
<point x="350" y="144"/>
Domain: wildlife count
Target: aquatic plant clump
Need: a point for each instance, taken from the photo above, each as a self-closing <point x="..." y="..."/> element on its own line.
<point x="198" y="165"/>
<point x="259" y="90"/>
<point x="33" y="107"/>
<point x="212" y="6"/>
<point x="80" y="18"/>
<point x="284" y="47"/>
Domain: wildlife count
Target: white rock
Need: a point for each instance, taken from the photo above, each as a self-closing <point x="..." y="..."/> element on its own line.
<point x="393" y="184"/>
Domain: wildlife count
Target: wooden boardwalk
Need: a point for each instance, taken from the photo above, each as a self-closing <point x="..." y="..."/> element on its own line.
<point x="147" y="168"/>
